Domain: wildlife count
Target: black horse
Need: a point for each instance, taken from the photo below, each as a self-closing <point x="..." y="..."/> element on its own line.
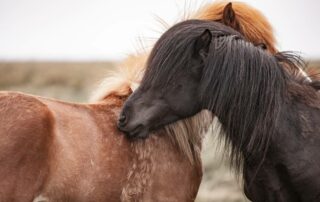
<point x="270" y="117"/>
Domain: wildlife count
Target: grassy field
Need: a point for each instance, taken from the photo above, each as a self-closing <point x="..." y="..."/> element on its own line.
<point x="72" y="81"/>
<point x="68" y="81"/>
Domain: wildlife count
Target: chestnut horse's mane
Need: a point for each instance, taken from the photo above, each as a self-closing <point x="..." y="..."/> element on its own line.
<point x="123" y="79"/>
<point x="186" y="134"/>
<point x="246" y="16"/>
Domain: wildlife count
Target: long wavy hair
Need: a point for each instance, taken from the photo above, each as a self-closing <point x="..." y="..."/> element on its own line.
<point x="244" y="85"/>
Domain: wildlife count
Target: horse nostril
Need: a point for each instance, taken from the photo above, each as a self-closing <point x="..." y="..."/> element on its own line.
<point x="122" y="120"/>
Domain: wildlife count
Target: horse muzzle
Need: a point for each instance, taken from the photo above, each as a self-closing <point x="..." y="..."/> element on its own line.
<point x="132" y="131"/>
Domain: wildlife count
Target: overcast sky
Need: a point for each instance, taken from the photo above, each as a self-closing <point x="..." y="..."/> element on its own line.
<point x="111" y="29"/>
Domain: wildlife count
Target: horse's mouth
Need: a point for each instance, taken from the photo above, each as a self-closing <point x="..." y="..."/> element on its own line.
<point x="139" y="132"/>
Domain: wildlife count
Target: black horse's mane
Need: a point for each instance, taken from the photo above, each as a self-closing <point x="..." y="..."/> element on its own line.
<point x="246" y="94"/>
<point x="244" y="85"/>
<point x="178" y="50"/>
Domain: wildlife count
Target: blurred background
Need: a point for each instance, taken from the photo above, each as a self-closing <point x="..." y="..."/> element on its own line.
<point x="63" y="48"/>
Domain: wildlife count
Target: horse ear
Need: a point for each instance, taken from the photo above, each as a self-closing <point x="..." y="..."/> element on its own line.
<point x="229" y="17"/>
<point x="202" y="44"/>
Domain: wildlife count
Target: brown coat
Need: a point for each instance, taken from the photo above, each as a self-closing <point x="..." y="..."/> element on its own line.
<point x="56" y="151"/>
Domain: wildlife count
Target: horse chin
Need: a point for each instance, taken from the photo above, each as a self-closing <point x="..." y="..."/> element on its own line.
<point x="139" y="133"/>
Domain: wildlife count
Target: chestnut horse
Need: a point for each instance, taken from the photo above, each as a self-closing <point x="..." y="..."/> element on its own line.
<point x="58" y="151"/>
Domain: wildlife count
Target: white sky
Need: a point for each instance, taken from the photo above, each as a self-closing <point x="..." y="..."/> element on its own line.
<point x="110" y="29"/>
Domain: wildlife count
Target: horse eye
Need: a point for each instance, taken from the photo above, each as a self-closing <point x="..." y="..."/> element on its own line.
<point x="262" y="46"/>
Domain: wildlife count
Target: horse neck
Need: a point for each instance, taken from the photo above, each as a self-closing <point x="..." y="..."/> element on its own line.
<point x="150" y="159"/>
<point x="246" y="94"/>
<point x="185" y="135"/>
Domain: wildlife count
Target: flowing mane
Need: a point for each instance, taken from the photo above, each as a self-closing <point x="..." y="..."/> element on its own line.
<point x="127" y="76"/>
<point x="244" y="75"/>
<point x="259" y="86"/>
<point x="122" y="80"/>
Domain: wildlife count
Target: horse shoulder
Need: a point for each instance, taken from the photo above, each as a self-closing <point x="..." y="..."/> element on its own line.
<point x="297" y="147"/>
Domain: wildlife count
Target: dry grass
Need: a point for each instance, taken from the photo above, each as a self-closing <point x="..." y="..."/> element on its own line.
<point x="61" y="80"/>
